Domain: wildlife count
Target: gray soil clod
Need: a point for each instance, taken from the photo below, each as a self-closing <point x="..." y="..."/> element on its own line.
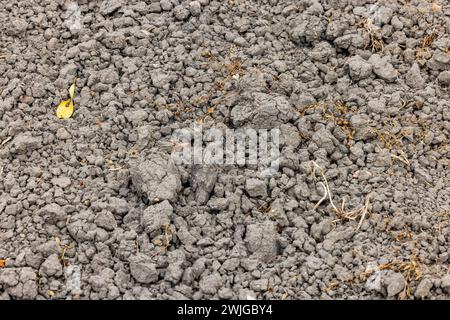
<point x="95" y="207"/>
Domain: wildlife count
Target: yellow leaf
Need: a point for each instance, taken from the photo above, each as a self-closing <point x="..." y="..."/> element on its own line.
<point x="65" y="109"/>
<point x="72" y="90"/>
<point x="2" y="263"/>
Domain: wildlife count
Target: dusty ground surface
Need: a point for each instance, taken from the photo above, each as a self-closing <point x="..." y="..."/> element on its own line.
<point x="91" y="208"/>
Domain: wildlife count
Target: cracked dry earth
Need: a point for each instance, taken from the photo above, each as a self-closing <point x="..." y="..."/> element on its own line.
<point x="92" y="207"/>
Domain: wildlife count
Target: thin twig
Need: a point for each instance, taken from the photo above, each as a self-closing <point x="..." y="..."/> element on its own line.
<point x="401" y="158"/>
<point x="341" y="212"/>
<point x="325" y="194"/>
<point x="6" y="140"/>
<point x="327" y="186"/>
<point x="365" y="210"/>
